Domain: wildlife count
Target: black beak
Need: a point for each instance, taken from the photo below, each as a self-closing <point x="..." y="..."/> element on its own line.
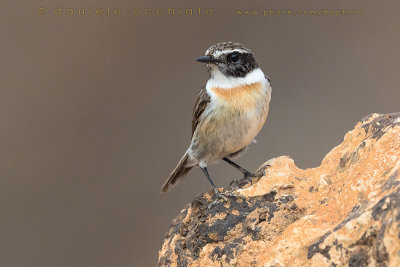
<point x="205" y="59"/>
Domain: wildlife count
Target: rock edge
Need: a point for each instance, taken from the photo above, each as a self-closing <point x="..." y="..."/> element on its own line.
<point x="344" y="212"/>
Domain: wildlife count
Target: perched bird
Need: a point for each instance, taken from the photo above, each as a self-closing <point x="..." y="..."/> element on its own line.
<point x="228" y="113"/>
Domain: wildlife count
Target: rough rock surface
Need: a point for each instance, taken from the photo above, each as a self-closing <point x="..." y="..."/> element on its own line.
<point x="344" y="212"/>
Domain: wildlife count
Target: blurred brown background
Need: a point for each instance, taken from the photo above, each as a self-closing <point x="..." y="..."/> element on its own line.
<point x="95" y="112"/>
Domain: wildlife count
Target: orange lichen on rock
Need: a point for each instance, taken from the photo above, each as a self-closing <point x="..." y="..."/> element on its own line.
<point x="344" y="212"/>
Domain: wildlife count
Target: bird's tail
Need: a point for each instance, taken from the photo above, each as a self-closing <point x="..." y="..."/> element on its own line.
<point x="177" y="174"/>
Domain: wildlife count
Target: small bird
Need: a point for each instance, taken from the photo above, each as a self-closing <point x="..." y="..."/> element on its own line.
<point x="228" y="113"/>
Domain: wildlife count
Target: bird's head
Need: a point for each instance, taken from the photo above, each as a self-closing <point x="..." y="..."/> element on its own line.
<point x="231" y="59"/>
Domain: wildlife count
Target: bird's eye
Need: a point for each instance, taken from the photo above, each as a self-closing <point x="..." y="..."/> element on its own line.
<point x="233" y="57"/>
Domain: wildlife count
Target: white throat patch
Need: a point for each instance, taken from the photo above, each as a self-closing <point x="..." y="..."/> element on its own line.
<point x="218" y="79"/>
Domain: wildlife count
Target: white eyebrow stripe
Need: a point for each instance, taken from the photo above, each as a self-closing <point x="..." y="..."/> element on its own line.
<point x="218" y="53"/>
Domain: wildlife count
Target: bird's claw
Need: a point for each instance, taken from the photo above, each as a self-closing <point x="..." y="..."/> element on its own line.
<point x="247" y="178"/>
<point x="224" y="196"/>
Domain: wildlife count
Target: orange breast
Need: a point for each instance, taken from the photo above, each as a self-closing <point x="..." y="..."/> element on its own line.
<point x="245" y="96"/>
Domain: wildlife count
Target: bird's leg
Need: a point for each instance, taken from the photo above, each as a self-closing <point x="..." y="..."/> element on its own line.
<point x="245" y="172"/>
<point x="217" y="193"/>
<point x="239" y="183"/>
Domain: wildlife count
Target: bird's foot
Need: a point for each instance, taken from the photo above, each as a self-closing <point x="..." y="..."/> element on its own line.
<point x="261" y="171"/>
<point x="247" y="175"/>
<point x="218" y="197"/>
<point x="223" y="196"/>
<point x="248" y="178"/>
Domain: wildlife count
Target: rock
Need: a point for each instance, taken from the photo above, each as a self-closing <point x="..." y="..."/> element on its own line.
<point x="344" y="212"/>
